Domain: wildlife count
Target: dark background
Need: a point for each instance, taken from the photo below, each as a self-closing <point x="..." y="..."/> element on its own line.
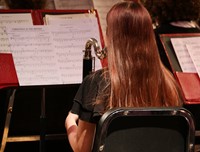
<point x="26" y="114"/>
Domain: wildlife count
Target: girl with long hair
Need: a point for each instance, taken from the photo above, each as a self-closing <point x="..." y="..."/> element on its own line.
<point x="135" y="76"/>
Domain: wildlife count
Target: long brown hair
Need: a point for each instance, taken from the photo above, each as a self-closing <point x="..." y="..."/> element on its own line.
<point x="138" y="78"/>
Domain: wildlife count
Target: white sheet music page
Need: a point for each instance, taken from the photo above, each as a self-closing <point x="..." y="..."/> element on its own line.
<point x="69" y="38"/>
<point x="179" y="45"/>
<point x="66" y="18"/>
<point x="194" y="51"/>
<point x="103" y="6"/>
<point x="73" y="4"/>
<point x="4" y="43"/>
<point x="34" y="55"/>
<point x="11" y="19"/>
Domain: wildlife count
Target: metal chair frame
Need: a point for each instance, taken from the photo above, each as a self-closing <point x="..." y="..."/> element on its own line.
<point x="111" y="115"/>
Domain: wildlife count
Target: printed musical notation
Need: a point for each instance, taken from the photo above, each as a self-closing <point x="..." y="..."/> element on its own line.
<point x="11" y="19"/>
<point x="70" y="43"/>
<point x="194" y="52"/>
<point x="35" y="59"/>
<point x="15" y="19"/>
<point x="184" y="52"/>
<point x="52" y="54"/>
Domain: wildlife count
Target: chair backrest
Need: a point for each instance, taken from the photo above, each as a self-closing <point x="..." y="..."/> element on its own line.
<point x="145" y="130"/>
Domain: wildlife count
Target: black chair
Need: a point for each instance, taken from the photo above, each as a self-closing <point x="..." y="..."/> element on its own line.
<point x="145" y="130"/>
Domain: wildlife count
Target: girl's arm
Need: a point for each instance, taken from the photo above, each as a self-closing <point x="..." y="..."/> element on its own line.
<point x="80" y="135"/>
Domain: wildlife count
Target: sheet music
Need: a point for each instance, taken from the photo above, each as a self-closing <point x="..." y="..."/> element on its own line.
<point x="70" y="39"/>
<point x="14" y="19"/>
<point x="34" y="55"/>
<point x="194" y="51"/>
<point x="179" y="45"/>
<point x="53" y="54"/>
<point x="66" y="18"/>
<point x="103" y="7"/>
<point x="73" y="4"/>
<point x="4" y="43"/>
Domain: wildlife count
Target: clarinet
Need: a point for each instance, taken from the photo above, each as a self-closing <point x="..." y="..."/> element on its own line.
<point x="88" y="59"/>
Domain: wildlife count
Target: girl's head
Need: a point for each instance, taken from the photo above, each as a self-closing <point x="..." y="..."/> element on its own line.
<point x="134" y="66"/>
